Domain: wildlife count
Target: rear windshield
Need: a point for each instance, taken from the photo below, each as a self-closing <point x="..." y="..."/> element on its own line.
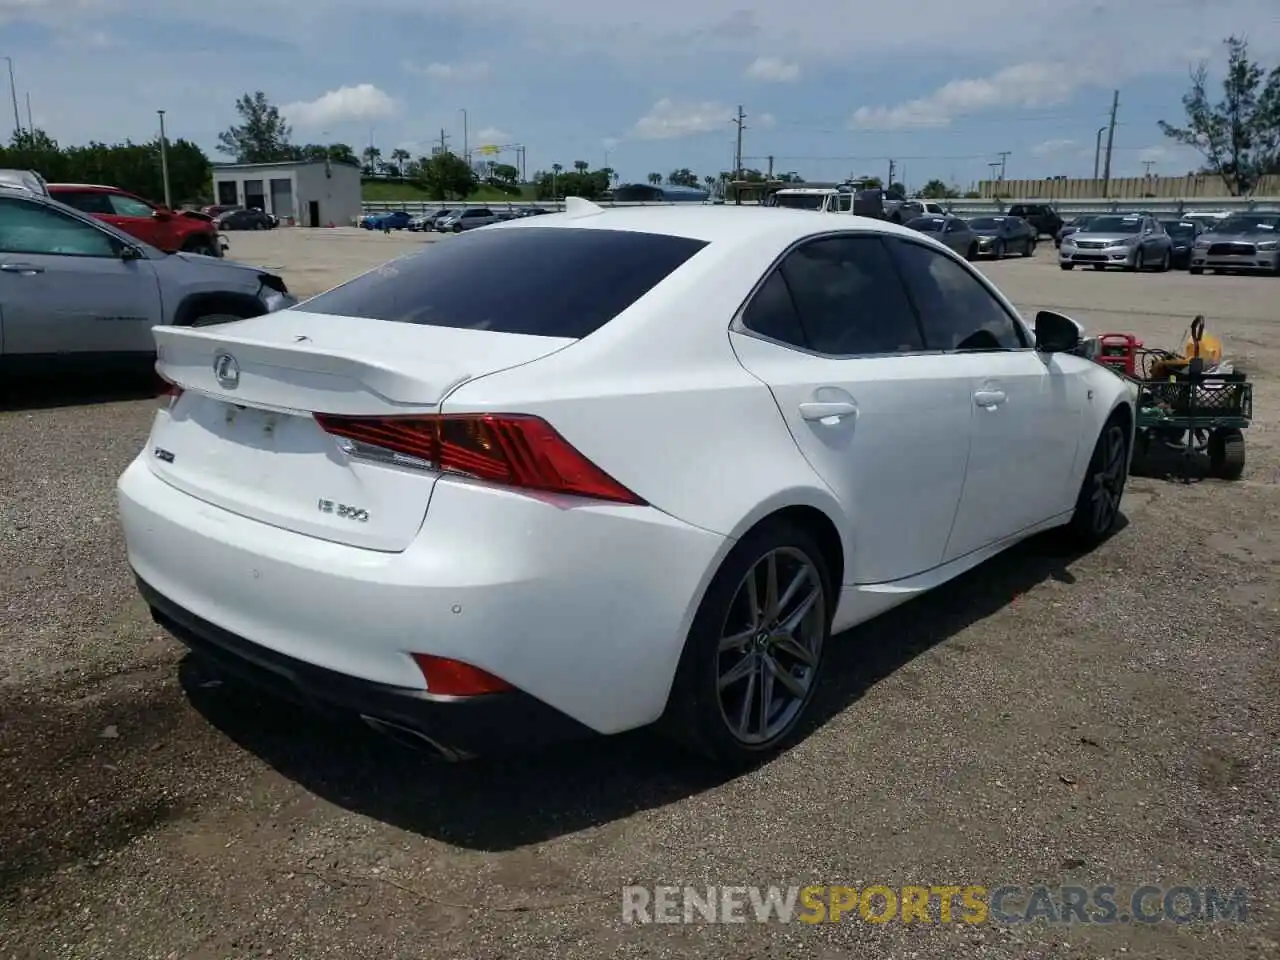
<point x="986" y="223"/>
<point x="927" y="224"/>
<point x="541" y="281"/>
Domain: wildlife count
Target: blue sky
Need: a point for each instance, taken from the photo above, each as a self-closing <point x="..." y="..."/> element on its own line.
<point x="829" y="89"/>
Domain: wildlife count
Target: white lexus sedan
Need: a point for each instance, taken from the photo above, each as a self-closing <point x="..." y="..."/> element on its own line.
<point x="588" y="472"/>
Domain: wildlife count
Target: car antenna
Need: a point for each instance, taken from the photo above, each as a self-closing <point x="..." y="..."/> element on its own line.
<point x="576" y="207"/>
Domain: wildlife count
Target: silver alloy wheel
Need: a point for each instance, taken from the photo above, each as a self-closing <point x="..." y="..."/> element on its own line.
<point x="1108" y="482"/>
<point x="770" y="646"/>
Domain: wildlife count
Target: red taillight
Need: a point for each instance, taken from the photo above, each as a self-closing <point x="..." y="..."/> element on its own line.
<point x="167" y="393"/>
<point x="511" y="449"/>
<point x="453" y="678"/>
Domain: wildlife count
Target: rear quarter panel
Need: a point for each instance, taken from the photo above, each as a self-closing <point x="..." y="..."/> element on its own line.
<point x="658" y="399"/>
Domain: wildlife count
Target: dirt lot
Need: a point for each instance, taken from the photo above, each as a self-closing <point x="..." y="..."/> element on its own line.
<point x="1105" y="719"/>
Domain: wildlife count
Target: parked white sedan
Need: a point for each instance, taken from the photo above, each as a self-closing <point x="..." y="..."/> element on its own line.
<point x="642" y="475"/>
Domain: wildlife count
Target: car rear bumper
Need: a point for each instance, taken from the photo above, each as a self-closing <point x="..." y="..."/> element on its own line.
<point x="583" y="607"/>
<point x="455" y="727"/>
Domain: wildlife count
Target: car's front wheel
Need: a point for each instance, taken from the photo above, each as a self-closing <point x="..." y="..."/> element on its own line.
<point x="1098" y="503"/>
<point x="754" y="654"/>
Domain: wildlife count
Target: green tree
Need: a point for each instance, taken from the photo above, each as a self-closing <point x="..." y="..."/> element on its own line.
<point x="937" y="190"/>
<point x="400" y="156"/>
<point x="581" y="166"/>
<point x="506" y="173"/>
<point x="134" y="167"/>
<point x="446" y="176"/>
<point x="898" y="187"/>
<point x="371" y="155"/>
<point x="655" y="178"/>
<point x="684" y="177"/>
<point x="262" y="135"/>
<point x="1239" y="135"/>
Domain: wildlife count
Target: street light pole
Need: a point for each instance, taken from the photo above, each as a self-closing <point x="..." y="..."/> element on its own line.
<point x="164" y="163"/>
<point x="13" y="91"/>
<point x="466" y="148"/>
<point x="1097" y="151"/>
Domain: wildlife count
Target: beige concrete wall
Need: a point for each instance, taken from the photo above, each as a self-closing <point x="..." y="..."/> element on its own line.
<point x="1125" y="188"/>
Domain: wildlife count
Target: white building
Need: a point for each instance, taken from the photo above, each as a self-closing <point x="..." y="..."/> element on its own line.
<point x="314" y="193"/>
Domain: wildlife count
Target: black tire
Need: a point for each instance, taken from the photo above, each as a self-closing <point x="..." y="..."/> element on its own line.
<point x="1031" y="247"/>
<point x="1139" y="262"/>
<point x="697" y="715"/>
<point x="457" y="228"/>
<point x="1067" y="266"/>
<point x="1166" y="263"/>
<point x="972" y="253"/>
<point x="206" y="248"/>
<point x="998" y="251"/>
<point x="1195" y="271"/>
<point x="1226" y="453"/>
<point x="1098" y="503"/>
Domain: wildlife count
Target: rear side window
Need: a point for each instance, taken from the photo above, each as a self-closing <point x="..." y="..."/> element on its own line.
<point x="86" y="202"/>
<point x="541" y="281"/>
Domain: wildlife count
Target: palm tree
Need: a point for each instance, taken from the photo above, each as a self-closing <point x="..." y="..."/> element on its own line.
<point x="400" y="157"/>
<point x="655" y="178"/>
<point x="371" y="156"/>
<point x="580" y="166"/>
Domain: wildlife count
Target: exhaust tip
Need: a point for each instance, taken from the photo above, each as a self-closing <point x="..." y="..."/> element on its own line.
<point x="414" y="739"/>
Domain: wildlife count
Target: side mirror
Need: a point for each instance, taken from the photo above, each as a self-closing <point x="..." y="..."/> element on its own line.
<point x="162" y="215"/>
<point x="1056" y="333"/>
<point x="129" y="252"/>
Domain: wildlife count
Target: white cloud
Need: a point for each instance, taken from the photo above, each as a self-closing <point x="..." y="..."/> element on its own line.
<point x="364" y="101"/>
<point x="1022" y="86"/>
<point x="773" y="70"/>
<point x="764" y="121"/>
<point x="1050" y="147"/>
<point x="669" y="119"/>
<point x="452" y="72"/>
<point x="610" y="142"/>
<point x="492" y="135"/>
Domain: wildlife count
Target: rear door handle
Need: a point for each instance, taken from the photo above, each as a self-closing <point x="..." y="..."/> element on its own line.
<point x="989" y="398"/>
<point x="26" y="269"/>
<point x="832" y="410"/>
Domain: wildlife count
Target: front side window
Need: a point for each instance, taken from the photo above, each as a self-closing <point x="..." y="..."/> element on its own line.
<point x="124" y="206"/>
<point x="956" y="309"/>
<point x="27" y="227"/>
<point x="87" y="201"/>
<point x="849" y="298"/>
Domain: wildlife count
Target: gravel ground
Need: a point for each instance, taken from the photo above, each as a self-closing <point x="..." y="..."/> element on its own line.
<point x="1108" y="718"/>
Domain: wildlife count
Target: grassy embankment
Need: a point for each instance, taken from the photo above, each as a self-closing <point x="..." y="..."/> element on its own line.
<point x="390" y="191"/>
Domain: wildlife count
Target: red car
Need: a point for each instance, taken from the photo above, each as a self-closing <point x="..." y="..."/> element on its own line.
<point x="169" y="230"/>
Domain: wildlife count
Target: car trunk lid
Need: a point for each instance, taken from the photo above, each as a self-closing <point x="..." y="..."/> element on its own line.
<point x="241" y="435"/>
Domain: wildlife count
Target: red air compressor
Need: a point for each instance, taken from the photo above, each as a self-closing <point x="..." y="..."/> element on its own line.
<point x="1119" y="350"/>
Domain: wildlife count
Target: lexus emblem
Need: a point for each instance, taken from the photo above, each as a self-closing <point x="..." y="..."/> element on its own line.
<point x="226" y="370"/>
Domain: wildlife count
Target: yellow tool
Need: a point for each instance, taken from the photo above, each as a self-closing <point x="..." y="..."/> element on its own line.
<point x="1198" y="346"/>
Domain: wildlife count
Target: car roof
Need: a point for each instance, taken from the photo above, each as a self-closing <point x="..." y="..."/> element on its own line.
<point x="718" y="223"/>
<point x="104" y="188"/>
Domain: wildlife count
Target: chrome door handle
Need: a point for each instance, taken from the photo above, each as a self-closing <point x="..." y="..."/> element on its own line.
<point x="989" y="398"/>
<point x="26" y="269"/>
<point x="833" y="410"/>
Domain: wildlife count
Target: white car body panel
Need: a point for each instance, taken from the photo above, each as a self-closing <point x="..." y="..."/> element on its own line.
<point x="584" y="605"/>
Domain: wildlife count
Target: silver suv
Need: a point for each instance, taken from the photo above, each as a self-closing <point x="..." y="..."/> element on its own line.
<point x="467" y="219"/>
<point x="73" y="288"/>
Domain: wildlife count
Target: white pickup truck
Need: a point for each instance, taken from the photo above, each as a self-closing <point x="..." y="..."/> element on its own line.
<point x="883" y="204"/>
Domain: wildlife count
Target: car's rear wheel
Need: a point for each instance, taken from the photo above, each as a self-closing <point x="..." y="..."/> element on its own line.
<point x="754" y="654"/>
<point x="1165" y="263"/>
<point x="1098" y="503"/>
<point x="998" y="251"/>
<point x="1195" y="271"/>
<point x="1031" y="247"/>
<point x="1067" y="266"/>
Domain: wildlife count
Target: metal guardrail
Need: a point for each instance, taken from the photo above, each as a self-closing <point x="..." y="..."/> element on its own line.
<point x="962" y="208"/>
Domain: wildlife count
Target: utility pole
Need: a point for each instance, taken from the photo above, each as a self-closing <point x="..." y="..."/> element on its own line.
<point x="164" y="163"/>
<point x="737" y="153"/>
<point x="466" y="147"/>
<point x="1097" y="150"/>
<point x="1111" y="136"/>
<point x="443" y="140"/>
<point x="30" y="126"/>
<point x="770" y="175"/>
<point x="1003" y="155"/>
<point x="13" y="90"/>
<point x="892" y="166"/>
<point x="1147" y="165"/>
